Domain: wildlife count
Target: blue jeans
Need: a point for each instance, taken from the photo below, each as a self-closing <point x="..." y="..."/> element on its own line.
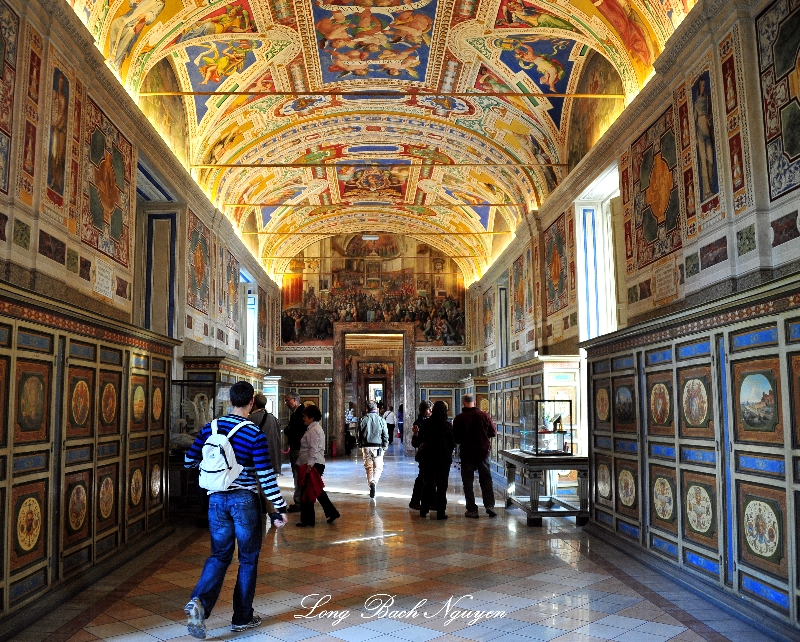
<point x="232" y="515"/>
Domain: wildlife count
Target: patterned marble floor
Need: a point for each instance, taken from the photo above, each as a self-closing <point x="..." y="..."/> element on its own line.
<point x="551" y="583"/>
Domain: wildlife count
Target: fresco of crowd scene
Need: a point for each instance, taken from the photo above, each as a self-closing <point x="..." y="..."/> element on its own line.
<point x="438" y="321"/>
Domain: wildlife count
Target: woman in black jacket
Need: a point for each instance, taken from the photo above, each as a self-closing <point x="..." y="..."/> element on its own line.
<point x="436" y="446"/>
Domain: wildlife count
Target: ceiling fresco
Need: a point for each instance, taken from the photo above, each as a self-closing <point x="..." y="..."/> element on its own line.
<point x="467" y="117"/>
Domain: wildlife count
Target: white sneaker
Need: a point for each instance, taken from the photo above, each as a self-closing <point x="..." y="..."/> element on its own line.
<point x="256" y="621"/>
<point x="196" y="620"/>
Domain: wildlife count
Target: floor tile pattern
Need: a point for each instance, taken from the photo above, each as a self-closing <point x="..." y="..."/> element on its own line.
<point x="382" y="573"/>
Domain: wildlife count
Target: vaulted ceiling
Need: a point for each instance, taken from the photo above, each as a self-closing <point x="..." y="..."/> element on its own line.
<point x="445" y="120"/>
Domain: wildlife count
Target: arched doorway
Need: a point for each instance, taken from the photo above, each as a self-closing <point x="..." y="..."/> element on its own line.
<point x="381" y="355"/>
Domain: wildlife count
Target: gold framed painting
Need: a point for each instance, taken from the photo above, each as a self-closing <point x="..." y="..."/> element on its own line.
<point x="603" y="480"/>
<point x="628" y="489"/>
<point x="695" y="407"/>
<point x="664" y="498"/>
<point x="763" y="540"/>
<point x="757" y="400"/>
<point x="700" y="510"/>
<point x="80" y="402"/>
<point x="108" y="410"/>
<point x="602" y="403"/>
<point x="106" y="515"/>
<point x="137" y="486"/>
<point x="32" y="414"/>
<point x="77" y="507"/>
<point x="624" y="402"/>
<point x="28" y="524"/>
<point x="660" y="402"/>
<point x="138" y="403"/>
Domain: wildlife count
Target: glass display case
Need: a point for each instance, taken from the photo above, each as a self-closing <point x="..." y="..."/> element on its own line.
<point x="546" y="427"/>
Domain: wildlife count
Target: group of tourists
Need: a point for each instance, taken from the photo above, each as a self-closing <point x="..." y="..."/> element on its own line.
<point x="435" y="439"/>
<point x="236" y="454"/>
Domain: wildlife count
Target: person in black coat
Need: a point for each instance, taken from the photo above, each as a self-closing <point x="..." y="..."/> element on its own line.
<point x="436" y="445"/>
<point x="425" y="409"/>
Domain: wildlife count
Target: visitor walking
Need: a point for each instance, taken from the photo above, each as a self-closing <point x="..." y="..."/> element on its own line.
<point x="311" y="466"/>
<point x="234" y="516"/>
<point x="373" y="438"/>
<point x="391" y="421"/>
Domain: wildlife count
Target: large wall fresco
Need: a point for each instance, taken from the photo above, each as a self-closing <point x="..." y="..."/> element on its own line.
<point x="778" y="62"/>
<point x="167" y="113"/>
<point x="393" y="279"/>
<point x="592" y="117"/>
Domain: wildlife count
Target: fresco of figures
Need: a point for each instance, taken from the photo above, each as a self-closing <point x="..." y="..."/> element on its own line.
<point x="391" y="279"/>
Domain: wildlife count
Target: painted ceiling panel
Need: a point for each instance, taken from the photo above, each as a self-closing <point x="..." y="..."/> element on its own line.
<point x="466" y="117"/>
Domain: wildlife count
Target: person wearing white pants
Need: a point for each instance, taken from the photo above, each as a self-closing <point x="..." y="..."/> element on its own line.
<point x="373" y="437"/>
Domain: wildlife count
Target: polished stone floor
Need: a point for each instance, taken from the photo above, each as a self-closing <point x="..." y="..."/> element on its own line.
<point x="380" y="560"/>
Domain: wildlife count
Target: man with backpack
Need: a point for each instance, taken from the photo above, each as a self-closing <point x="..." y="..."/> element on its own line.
<point x="473" y="429"/>
<point x="233" y="457"/>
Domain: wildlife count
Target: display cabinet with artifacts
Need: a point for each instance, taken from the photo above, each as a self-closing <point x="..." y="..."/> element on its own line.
<point x="546" y="427"/>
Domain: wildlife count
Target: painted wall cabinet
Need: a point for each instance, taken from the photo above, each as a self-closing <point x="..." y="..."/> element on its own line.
<point x="83" y="441"/>
<point x="695" y="442"/>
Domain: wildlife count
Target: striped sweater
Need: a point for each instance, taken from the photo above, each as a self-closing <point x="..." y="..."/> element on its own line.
<point x="252" y="452"/>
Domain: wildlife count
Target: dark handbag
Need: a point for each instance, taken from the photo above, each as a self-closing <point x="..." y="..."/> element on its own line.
<point x="421" y="454"/>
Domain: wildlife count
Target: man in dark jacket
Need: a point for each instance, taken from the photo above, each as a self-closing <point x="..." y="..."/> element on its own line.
<point x="473" y="429"/>
<point x="294" y="433"/>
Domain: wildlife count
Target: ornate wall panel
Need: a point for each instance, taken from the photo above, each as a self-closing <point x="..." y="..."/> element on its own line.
<point x="72" y="376"/>
<point x="718" y="494"/>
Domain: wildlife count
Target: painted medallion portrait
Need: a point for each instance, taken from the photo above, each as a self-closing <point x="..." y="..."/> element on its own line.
<point x="627" y="488"/>
<point x="762" y="529"/>
<point x="76" y="508"/>
<point x="108" y="403"/>
<point x="764" y="538"/>
<point x="155" y="482"/>
<point x="699" y="509"/>
<point x="602" y="404"/>
<point x="106" y="497"/>
<point x="29" y="524"/>
<point x="664" y="499"/>
<point x="695" y="402"/>
<point x="80" y="403"/>
<point x="158" y="403"/>
<point x="136" y="487"/>
<point x="604" y="481"/>
<point x="660" y="403"/>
